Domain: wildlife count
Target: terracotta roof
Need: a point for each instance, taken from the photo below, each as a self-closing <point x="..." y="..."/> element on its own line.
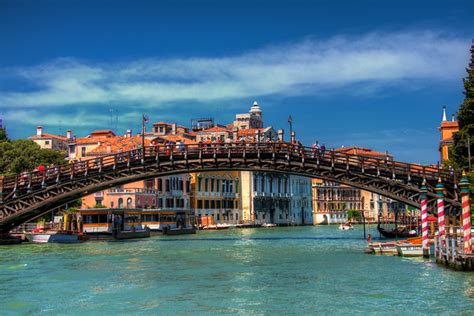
<point x="46" y="135"/>
<point x="354" y="150"/>
<point x="115" y="144"/>
<point x="214" y="129"/>
<point x="90" y="140"/>
<point x="103" y="131"/>
<point x="161" y="123"/>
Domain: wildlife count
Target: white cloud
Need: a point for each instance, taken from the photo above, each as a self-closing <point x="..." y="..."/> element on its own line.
<point x="306" y="67"/>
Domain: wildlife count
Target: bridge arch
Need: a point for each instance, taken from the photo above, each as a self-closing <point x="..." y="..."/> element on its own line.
<point x="26" y="197"/>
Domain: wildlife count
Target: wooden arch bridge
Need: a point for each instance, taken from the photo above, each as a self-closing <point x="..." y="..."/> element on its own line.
<point x="26" y="196"/>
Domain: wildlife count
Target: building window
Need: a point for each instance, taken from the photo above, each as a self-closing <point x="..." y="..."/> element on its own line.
<point x="98" y="203"/>
<point x="112" y="204"/>
<point x="206" y="185"/>
<point x="212" y="185"/>
<point x="167" y="185"/>
<point x="129" y="202"/>
<point x="206" y="204"/>
<point x="199" y="184"/>
<point x="213" y="204"/>
<point x="46" y="142"/>
<point x="187" y="186"/>
<point x="83" y="151"/>
<point x="218" y="184"/>
<point x="218" y="204"/>
<point x="199" y="206"/>
<point x="120" y="203"/>
<point x="160" y="184"/>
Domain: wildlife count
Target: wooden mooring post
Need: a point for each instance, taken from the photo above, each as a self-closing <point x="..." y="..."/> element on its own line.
<point x="455" y="249"/>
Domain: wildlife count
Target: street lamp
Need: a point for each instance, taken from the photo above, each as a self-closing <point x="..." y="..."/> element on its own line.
<point x="144" y="120"/>
<point x="290" y="120"/>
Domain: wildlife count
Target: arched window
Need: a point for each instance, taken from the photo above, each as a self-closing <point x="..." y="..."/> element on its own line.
<point x="129" y="202"/>
<point x="120" y="203"/>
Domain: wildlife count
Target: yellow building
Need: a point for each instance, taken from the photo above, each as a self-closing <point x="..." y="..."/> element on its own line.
<point x="49" y="141"/>
<point x="217" y="194"/>
<point x="447" y="130"/>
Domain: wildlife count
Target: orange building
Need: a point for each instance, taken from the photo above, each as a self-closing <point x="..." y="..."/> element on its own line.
<point x="447" y="130"/>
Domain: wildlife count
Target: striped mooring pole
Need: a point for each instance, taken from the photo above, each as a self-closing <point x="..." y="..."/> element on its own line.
<point x="424" y="221"/>
<point x="441" y="223"/>
<point x="466" y="214"/>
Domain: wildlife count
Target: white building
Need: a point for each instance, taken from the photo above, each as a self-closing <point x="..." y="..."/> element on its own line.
<point x="301" y="207"/>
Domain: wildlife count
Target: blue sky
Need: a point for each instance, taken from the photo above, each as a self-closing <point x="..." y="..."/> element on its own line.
<point x="367" y="73"/>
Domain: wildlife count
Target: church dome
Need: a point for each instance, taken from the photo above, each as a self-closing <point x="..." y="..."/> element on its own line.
<point x="255" y="109"/>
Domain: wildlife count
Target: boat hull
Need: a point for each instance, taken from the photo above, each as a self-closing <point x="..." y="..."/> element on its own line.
<point x="131" y="234"/>
<point x="410" y="250"/>
<point x="42" y="238"/>
<point x="179" y="231"/>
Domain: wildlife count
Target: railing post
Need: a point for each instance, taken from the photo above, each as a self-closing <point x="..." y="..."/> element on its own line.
<point x="424" y="221"/>
<point x="466" y="215"/>
<point x="441" y="221"/>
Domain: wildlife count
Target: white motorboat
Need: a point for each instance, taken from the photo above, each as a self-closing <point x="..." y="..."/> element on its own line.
<point x="389" y="248"/>
<point x="346" y="226"/>
<point x="410" y="250"/>
<point x="268" y="225"/>
<point x="62" y="237"/>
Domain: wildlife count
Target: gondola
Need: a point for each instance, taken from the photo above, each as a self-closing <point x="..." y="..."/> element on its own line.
<point x="398" y="232"/>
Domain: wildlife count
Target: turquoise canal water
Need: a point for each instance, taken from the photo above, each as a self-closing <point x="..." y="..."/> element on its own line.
<point x="295" y="270"/>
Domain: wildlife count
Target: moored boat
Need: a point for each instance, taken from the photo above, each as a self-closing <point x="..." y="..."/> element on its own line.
<point x="179" y="231"/>
<point x="410" y="250"/>
<point x="63" y="237"/>
<point x="269" y="225"/>
<point x="389" y="249"/>
<point x="373" y="248"/>
<point x="129" y="234"/>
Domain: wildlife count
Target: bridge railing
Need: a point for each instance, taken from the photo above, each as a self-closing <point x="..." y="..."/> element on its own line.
<point x="288" y="151"/>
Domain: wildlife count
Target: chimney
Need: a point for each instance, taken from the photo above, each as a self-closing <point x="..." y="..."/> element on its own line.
<point x="452" y="118"/>
<point x="128" y="133"/>
<point x="68" y="134"/>
<point x="39" y="131"/>
<point x="281" y="133"/>
<point x="235" y="133"/>
<point x="444" y="114"/>
<point x="293" y="137"/>
<point x="173" y="129"/>
<point x="74" y="137"/>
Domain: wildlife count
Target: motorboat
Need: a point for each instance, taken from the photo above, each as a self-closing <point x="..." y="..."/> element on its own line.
<point x="50" y="236"/>
<point x="410" y="250"/>
<point x="389" y="248"/>
<point x="374" y="248"/>
<point x="216" y="227"/>
<point x="346" y="226"/>
<point x="269" y="225"/>
<point x="179" y="231"/>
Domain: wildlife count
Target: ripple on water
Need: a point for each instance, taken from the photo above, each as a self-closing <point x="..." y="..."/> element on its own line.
<point x="296" y="270"/>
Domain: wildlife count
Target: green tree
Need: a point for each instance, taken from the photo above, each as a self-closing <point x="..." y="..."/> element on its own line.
<point x="3" y="135"/>
<point x="465" y="119"/>
<point x="25" y="155"/>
